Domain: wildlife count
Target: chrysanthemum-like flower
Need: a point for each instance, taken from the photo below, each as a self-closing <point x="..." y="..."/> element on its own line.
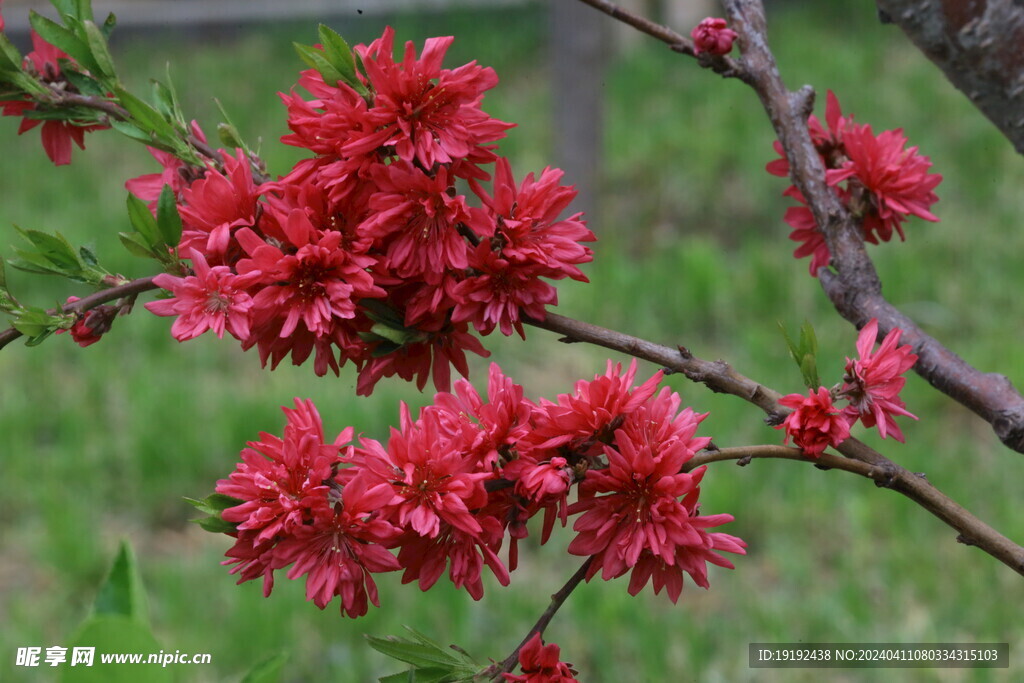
<point x="873" y="381"/>
<point x="815" y="422"/>
<point x="712" y="36"/>
<point x="212" y="299"/>
<point x="896" y="179"/>
<point x="216" y="205"/>
<point x="425" y="559"/>
<point x="425" y="112"/>
<point x="284" y="483"/>
<point x="593" y="411"/>
<point x="642" y="524"/>
<point x="338" y="553"/>
<point x="525" y="222"/>
<point x="540" y="664"/>
<point x="881" y="181"/>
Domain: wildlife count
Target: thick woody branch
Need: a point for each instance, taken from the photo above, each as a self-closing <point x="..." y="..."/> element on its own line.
<point x="977" y="44"/>
<point x="129" y="289"/>
<point x="854" y="287"/>
<point x="860" y="458"/>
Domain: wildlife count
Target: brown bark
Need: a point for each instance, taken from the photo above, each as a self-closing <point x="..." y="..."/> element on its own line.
<point x="979" y="45"/>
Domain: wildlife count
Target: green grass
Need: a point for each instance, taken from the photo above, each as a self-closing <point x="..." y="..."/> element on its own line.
<point x="101" y="444"/>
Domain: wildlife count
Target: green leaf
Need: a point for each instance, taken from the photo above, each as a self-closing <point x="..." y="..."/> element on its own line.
<point x="131" y="130"/>
<point x="216" y="525"/>
<point x="32" y="322"/>
<point x="316" y="59"/>
<point x="122" y="594"/>
<point x="10" y="57"/>
<point x="215" y="503"/>
<point x="269" y="670"/>
<point x="417" y="654"/>
<point x="87" y="85"/>
<point x="84" y="9"/>
<point x="55" y="248"/>
<point x="30" y="262"/>
<point x="808" y="340"/>
<point x="143" y="222"/>
<point x="167" y="218"/>
<point x="3" y="276"/>
<point x="132" y="241"/>
<point x="145" y="116"/>
<point x="39" y="338"/>
<point x="108" y="25"/>
<point x="100" y="51"/>
<point x="809" y="369"/>
<point x="88" y="257"/>
<point x="339" y="54"/>
<point x="63" y="38"/>
<point x="110" y="634"/>
<point x="67" y="9"/>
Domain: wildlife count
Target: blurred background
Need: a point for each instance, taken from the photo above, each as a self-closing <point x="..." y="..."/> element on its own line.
<point x="102" y="443"/>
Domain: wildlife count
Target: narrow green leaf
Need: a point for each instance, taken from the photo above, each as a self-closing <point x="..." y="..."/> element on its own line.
<point x="55" y="248"/>
<point x="145" y="116"/>
<point x="338" y="53"/>
<point x="84" y="9"/>
<point x="167" y="218"/>
<point x="31" y="262"/>
<point x="400" y="677"/>
<point x="114" y="633"/>
<point x="122" y="593"/>
<point x="809" y="369"/>
<point x="794" y="352"/>
<point x="221" y="502"/>
<point x="143" y="222"/>
<point x="216" y="525"/>
<point x="132" y="131"/>
<point x="108" y="25"/>
<point x="412" y="653"/>
<point x="63" y="38"/>
<point x="39" y="338"/>
<point x="88" y="257"/>
<point x="133" y="243"/>
<point x="67" y="9"/>
<point x="100" y="51"/>
<point x="269" y="670"/>
<point x="87" y="85"/>
<point x="3" y="275"/>
<point x="10" y="57"/>
<point x="808" y="340"/>
<point x="315" y="58"/>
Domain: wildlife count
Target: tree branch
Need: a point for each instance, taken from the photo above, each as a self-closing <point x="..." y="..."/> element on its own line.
<point x="855" y="288"/>
<point x="132" y="288"/>
<point x="860" y="459"/>
<point x="508" y="664"/>
<point x="977" y="44"/>
<point x="724" y="66"/>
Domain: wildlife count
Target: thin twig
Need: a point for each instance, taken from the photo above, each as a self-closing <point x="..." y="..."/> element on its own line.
<point x="725" y="66"/>
<point x="510" y="662"/>
<point x="132" y="288"/>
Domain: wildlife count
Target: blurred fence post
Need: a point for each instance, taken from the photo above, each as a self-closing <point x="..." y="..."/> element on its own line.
<point x="578" y="52"/>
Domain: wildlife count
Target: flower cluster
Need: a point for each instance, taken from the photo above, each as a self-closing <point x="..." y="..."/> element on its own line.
<point x="450" y="484"/>
<point x="57" y="134"/>
<point x="871" y="385"/>
<point x="540" y="664"/>
<point x="881" y="182"/>
<point x="712" y="36"/>
<point x="368" y="251"/>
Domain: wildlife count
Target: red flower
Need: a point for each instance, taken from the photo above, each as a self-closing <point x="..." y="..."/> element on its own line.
<point x="873" y="381"/>
<point x="91" y="325"/>
<point x="540" y="664"/>
<point x="148" y="187"/>
<point x="712" y="36"/>
<point x="815" y="423"/>
<point x="57" y="135"/>
<point x="212" y="299"/>
<point x="897" y="179"/>
<point x="642" y="524"/>
<point x="284" y="483"/>
<point x="338" y="553"/>
<point x="215" y="205"/>
<point x="425" y="558"/>
<point x="425" y="112"/>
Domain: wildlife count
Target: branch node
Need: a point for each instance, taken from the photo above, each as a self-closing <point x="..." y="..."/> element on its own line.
<point x="744" y="461"/>
<point x="568" y="340"/>
<point x="684" y="352"/>
<point x="966" y="540"/>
